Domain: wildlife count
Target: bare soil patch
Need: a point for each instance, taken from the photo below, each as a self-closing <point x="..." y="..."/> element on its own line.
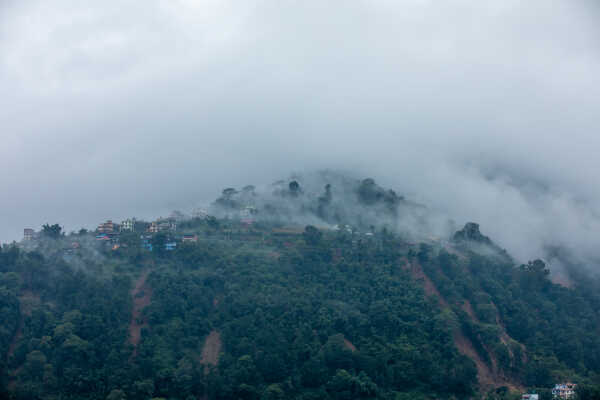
<point x="561" y="279"/>
<point x="142" y="296"/>
<point x="430" y="290"/>
<point x="211" y="350"/>
<point x="487" y="375"/>
<point x="348" y="344"/>
<point x="18" y="335"/>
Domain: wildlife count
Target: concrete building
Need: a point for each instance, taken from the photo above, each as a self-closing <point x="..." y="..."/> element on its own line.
<point x="106" y="227"/>
<point x="247" y="215"/>
<point x="564" y="390"/>
<point x="28" y="234"/>
<point x="162" y="225"/>
<point x="128" y="225"/>
<point x="190" y="238"/>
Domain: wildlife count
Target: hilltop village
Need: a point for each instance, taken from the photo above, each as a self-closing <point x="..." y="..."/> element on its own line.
<point x="180" y="228"/>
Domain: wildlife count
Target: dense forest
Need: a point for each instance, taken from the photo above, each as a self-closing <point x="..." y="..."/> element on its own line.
<point x="271" y="310"/>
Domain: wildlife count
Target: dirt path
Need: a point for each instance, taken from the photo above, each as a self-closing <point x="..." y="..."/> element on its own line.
<point x="211" y="350"/>
<point x="141" y="295"/>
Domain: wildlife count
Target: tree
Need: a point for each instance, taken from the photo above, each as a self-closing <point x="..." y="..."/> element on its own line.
<point x="143" y="389"/>
<point x="51" y="231"/>
<point x="116" y="394"/>
<point x="294" y="188"/>
<point x="312" y="236"/>
<point x="273" y="392"/>
<point x="158" y="242"/>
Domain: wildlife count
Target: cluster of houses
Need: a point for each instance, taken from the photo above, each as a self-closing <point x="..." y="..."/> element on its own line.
<point x="349" y="229"/>
<point x="563" y="391"/>
<point x="109" y="231"/>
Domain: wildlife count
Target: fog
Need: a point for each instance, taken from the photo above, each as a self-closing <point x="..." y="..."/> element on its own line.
<point x="483" y="111"/>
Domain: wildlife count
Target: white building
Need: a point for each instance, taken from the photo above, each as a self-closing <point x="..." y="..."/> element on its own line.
<point x="128" y="225"/>
<point x="564" y="390"/>
<point x="28" y="234"/>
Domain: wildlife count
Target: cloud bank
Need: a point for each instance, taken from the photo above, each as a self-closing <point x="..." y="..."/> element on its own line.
<point x="483" y="111"/>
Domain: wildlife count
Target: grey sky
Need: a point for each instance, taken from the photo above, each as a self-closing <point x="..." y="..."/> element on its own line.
<point x="487" y="111"/>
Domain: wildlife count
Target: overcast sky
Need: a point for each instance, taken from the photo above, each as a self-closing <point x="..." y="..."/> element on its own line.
<point x="488" y="111"/>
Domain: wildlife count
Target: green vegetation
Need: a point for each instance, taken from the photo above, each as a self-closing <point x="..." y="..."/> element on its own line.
<point x="290" y="313"/>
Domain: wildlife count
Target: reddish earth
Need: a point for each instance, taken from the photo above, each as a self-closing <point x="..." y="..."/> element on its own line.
<point x="488" y="377"/>
<point x="562" y="280"/>
<point x="430" y="290"/>
<point x="211" y="350"/>
<point x="15" y="340"/>
<point x="142" y="295"/>
<point x="468" y="308"/>
<point x="348" y="344"/>
<point x="484" y="374"/>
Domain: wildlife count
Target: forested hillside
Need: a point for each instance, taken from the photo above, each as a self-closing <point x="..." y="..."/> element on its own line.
<point x="265" y="310"/>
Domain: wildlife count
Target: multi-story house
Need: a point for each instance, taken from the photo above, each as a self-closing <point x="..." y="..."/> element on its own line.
<point x="106" y="227"/>
<point x="128" y="225"/>
<point x="28" y="234"/>
<point x="564" y="390"/>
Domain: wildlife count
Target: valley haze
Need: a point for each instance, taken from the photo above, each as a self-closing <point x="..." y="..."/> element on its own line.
<point x="482" y="111"/>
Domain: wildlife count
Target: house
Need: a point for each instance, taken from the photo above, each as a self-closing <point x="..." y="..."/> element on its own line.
<point x="128" y="225"/>
<point x="162" y="225"/>
<point x="28" y="234"/>
<point x="166" y="225"/>
<point x="190" y="238"/>
<point x="153" y="228"/>
<point x="146" y="242"/>
<point x="530" y="396"/>
<point x="564" y="390"/>
<point x="247" y="215"/>
<point x="106" y="227"/>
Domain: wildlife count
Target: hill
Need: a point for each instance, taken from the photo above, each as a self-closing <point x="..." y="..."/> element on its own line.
<point x="257" y="303"/>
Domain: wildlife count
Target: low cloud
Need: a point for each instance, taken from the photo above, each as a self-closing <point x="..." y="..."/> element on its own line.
<point x="484" y="112"/>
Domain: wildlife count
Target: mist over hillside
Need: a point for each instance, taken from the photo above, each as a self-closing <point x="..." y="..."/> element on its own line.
<point x="482" y="112"/>
<point x="267" y="200"/>
<point x="330" y="198"/>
